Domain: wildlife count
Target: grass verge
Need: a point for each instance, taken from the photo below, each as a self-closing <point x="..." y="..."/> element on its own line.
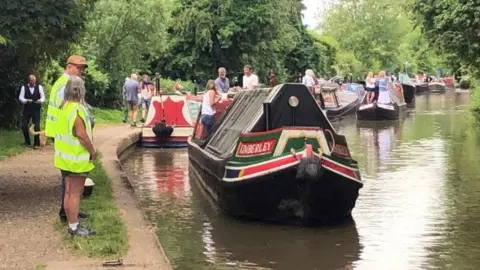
<point x="11" y="143"/>
<point x="104" y="217"/>
<point x="107" y="116"/>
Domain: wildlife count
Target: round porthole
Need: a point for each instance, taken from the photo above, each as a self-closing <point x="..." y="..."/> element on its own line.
<point x="293" y="101"/>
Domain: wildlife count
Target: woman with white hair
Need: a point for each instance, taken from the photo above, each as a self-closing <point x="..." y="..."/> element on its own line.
<point x="309" y="79"/>
<point x="74" y="151"/>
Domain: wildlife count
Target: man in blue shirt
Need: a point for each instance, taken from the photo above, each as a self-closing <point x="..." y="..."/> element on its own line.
<point x="222" y="83"/>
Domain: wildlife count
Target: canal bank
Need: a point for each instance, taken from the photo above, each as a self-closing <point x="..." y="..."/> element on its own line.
<point x="30" y="194"/>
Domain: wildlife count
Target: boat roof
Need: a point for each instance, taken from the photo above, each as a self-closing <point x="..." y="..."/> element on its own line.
<point x="245" y="114"/>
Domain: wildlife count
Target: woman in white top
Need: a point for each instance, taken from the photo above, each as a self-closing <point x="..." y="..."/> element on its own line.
<point x="308" y="80"/>
<point x="210" y="99"/>
<point x="370" y="87"/>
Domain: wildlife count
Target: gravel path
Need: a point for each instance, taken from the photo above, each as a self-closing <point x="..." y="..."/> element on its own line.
<point x="29" y="199"/>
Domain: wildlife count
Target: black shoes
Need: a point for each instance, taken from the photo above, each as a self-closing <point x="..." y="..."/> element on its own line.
<point x="81" y="216"/>
<point x="81" y="231"/>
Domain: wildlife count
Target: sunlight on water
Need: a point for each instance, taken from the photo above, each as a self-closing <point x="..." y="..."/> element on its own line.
<point x="419" y="208"/>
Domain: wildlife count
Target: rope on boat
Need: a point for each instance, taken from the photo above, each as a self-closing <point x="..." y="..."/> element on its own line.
<point x="333" y="139"/>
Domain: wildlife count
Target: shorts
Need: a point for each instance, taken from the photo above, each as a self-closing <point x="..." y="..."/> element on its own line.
<point x="145" y="103"/>
<point x="67" y="173"/>
<point x="132" y="105"/>
<point x="370" y="89"/>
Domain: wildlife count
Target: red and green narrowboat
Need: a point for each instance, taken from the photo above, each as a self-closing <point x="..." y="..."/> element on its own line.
<point x="274" y="156"/>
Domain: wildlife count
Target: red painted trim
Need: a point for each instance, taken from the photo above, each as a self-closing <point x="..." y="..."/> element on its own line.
<point x="338" y="168"/>
<point x="251" y="134"/>
<point x="309" y="150"/>
<point x="271" y="165"/>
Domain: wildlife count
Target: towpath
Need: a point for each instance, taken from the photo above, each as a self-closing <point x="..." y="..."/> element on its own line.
<point x="29" y="195"/>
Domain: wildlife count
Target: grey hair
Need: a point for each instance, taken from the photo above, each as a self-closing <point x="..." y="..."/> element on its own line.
<point x="222" y="69"/>
<point x="75" y="90"/>
<point x="134" y="76"/>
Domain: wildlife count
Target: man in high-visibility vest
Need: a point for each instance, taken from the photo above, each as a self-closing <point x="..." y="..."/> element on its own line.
<point x="76" y="66"/>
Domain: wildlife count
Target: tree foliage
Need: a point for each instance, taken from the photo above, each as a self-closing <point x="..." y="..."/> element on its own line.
<point x="453" y="26"/>
<point x="376" y="34"/>
<point x="33" y="32"/>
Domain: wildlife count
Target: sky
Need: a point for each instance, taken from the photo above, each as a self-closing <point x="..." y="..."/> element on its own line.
<point x="311" y="12"/>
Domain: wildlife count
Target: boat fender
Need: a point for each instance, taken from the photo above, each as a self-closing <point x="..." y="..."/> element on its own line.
<point x="309" y="169"/>
<point x="161" y="130"/>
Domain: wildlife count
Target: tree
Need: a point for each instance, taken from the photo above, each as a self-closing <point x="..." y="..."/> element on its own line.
<point x="33" y="32"/>
<point x="208" y="34"/>
<point x="453" y="26"/>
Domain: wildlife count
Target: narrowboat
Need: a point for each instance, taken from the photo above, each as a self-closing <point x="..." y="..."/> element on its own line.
<point x="437" y="86"/>
<point x="420" y="86"/>
<point x="409" y="90"/>
<point x="272" y="155"/>
<point x="383" y="111"/>
<point x="170" y="120"/>
<point x="339" y="103"/>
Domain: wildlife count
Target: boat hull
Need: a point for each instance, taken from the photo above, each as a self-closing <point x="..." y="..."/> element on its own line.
<point x="422" y="88"/>
<point x="378" y="112"/>
<point x="337" y="113"/>
<point x="408" y="93"/>
<point x="274" y="197"/>
<point x="437" y="87"/>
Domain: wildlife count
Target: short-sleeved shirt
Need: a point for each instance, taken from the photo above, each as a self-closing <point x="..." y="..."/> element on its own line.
<point x="222" y="85"/>
<point x="131" y="90"/>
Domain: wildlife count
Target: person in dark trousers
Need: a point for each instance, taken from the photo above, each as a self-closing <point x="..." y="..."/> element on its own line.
<point x="32" y="96"/>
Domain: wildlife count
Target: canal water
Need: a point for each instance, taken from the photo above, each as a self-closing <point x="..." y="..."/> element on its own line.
<point x="419" y="207"/>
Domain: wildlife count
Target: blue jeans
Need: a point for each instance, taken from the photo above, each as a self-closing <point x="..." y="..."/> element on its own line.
<point x="208" y="121"/>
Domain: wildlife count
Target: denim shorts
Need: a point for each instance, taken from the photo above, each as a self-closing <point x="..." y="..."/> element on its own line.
<point x="145" y="103"/>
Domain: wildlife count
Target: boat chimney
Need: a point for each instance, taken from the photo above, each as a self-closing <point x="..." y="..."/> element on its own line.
<point x="266" y="115"/>
<point x="195" y="87"/>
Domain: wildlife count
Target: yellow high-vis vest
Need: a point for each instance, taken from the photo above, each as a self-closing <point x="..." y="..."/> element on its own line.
<point x="53" y="104"/>
<point x="70" y="155"/>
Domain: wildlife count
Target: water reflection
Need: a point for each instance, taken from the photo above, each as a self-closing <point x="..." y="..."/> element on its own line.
<point x="419" y="207"/>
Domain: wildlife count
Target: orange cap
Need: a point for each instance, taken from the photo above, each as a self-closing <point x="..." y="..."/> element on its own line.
<point x="77" y="60"/>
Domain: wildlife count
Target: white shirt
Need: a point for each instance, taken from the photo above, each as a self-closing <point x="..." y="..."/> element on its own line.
<point x="250" y="82"/>
<point x="308" y="81"/>
<point x="207" y="108"/>
<point x="22" y="99"/>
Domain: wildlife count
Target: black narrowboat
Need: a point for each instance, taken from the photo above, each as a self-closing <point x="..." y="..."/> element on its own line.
<point x="273" y="156"/>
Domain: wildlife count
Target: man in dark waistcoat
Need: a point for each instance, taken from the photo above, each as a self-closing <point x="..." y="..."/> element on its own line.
<point x="32" y="96"/>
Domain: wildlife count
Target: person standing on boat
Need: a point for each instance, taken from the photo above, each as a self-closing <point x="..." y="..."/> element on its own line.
<point x="210" y="99"/>
<point x="308" y="80"/>
<point x="272" y="81"/>
<point x="32" y="97"/>
<point x="131" y="96"/>
<point x="250" y="80"/>
<point x="222" y="83"/>
<point x="383" y="92"/>
<point x="370" y="87"/>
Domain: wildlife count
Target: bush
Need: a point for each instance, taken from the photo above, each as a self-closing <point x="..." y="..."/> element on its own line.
<point x="188" y="86"/>
<point x="466" y="82"/>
